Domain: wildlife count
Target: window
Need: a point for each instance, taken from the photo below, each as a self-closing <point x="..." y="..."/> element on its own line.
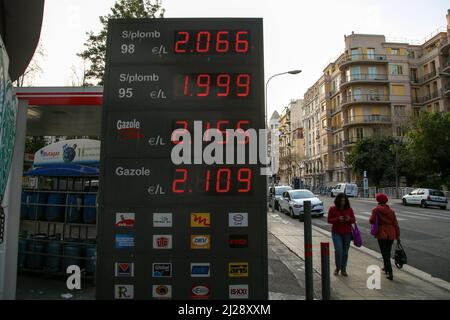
<point x="414" y="75"/>
<point x="355" y="73"/>
<point x="370" y="53"/>
<point x="372" y="71"/>
<point x="395" y="51"/>
<point x="359" y="133"/>
<point x="436" y="107"/>
<point x="398" y="90"/>
<point x="400" y="110"/>
<point x="396" y="69"/>
<point x="355" y="54"/>
<point x="399" y="131"/>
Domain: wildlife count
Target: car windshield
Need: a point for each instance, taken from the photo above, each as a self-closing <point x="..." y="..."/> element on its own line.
<point x="279" y="191"/>
<point x="302" y="194"/>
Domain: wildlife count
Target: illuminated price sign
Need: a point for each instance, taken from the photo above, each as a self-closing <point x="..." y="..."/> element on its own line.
<point x="183" y="109"/>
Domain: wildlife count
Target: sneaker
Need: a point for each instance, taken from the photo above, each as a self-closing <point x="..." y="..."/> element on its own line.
<point x="344" y="273"/>
<point x="336" y="272"/>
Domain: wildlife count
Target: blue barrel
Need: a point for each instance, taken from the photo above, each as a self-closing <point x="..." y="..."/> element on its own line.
<point x="74" y="213"/>
<point x="35" y="259"/>
<point x="25" y="205"/>
<point x="55" y="213"/>
<point x="91" y="255"/>
<point x="22" y="256"/>
<point x="73" y="254"/>
<point x="53" y="263"/>
<point x="37" y="212"/>
<point x="90" y="214"/>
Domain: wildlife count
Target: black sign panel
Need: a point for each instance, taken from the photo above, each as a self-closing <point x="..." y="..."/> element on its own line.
<point x="190" y="229"/>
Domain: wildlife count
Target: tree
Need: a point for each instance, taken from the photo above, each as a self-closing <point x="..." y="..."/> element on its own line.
<point x="34" y="68"/>
<point x="375" y="156"/>
<point x="429" y="142"/>
<point x="96" y="44"/>
<point x="34" y="143"/>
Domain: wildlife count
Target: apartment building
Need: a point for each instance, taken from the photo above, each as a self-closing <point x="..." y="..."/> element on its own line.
<point x="272" y="147"/>
<point x="285" y="157"/>
<point x="371" y="89"/>
<point x="297" y="138"/>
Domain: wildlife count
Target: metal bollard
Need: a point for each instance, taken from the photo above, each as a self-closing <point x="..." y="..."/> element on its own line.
<point x="325" y="270"/>
<point x="308" y="251"/>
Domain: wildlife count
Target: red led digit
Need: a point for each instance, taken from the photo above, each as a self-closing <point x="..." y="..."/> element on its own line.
<point x="186" y="85"/>
<point x="241" y="42"/>
<point x="203" y="38"/>
<point x="243" y="82"/>
<point x="222" y="45"/>
<point x="177" y="183"/>
<point x="208" y="178"/>
<point x="185" y="35"/>
<point x="203" y="81"/>
<point x="223" y="130"/>
<point x="245" y="177"/>
<point x="181" y="128"/>
<point x="223" y="81"/>
<point x="219" y="179"/>
<point x="239" y="127"/>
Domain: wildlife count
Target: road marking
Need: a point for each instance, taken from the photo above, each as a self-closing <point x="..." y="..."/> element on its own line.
<point x="365" y="217"/>
<point x="426" y="215"/>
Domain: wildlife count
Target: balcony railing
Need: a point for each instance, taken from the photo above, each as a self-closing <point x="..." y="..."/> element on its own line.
<point x="365" y="98"/>
<point x="374" y="118"/>
<point x="337" y="146"/>
<point x="425" y="78"/>
<point x="364" y="57"/>
<point x="425" y="98"/>
<point x="364" y="77"/>
<point x="351" y="141"/>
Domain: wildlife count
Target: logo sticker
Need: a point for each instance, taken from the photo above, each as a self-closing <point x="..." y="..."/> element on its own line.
<point x="125" y="220"/>
<point x="124" y="241"/>
<point x="162" y="270"/>
<point x="200" y="270"/>
<point x="238" y="291"/>
<point x="200" y="241"/>
<point x="200" y="292"/>
<point x="123" y="291"/>
<point x="162" y="291"/>
<point x="124" y="269"/>
<point x="238" y="269"/>
<point x="238" y="240"/>
<point x="200" y="220"/>
<point x="238" y="219"/>
<point x="162" y="241"/>
<point x="162" y="220"/>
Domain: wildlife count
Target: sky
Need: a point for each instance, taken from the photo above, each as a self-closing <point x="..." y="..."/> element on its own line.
<point x="304" y="35"/>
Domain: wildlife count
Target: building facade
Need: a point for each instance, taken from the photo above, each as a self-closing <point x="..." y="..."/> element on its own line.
<point x="371" y="89"/>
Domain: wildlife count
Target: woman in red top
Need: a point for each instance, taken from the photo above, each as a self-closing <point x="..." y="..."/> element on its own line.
<point x="341" y="216"/>
<point x="388" y="231"/>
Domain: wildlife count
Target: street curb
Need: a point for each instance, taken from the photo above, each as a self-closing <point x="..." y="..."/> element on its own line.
<point x="411" y="270"/>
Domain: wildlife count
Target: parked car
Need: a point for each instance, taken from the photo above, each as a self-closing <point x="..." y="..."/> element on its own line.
<point x="292" y="203"/>
<point x="350" y="189"/>
<point x="426" y="198"/>
<point x="278" y="195"/>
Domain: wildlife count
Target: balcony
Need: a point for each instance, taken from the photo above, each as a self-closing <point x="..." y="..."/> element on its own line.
<point x="447" y="90"/>
<point x="425" y="78"/>
<point x="364" y="78"/>
<point x="425" y="98"/>
<point x="337" y="146"/>
<point x="350" y="142"/>
<point x="367" y="119"/>
<point x="363" y="59"/>
<point x="445" y="48"/>
<point x="446" y="67"/>
<point x="365" y="98"/>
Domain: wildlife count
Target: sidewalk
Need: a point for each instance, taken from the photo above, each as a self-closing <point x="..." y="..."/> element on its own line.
<point x="409" y="283"/>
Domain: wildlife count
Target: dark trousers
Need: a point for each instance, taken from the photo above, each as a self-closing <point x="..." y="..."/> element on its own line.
<point x="386" y="248"/>
<point x="341" y="245"/>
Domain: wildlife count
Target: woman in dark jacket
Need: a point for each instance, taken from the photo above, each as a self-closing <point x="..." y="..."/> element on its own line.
<point x="388" y="231"/>
<point x="341" y="216"/>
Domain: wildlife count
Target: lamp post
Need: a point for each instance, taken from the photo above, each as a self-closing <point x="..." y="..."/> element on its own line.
<point x="292" y="72"/>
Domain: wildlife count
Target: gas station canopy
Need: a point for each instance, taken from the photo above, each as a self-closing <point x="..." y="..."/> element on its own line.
<point x="62" y="111"/>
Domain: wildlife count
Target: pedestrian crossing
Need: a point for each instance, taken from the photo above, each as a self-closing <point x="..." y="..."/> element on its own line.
<point x="407" y="215"/>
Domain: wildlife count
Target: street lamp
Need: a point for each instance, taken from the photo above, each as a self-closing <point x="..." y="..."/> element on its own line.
<point x="292" y="72"/>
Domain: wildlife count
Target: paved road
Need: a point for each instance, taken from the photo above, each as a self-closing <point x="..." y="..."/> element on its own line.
<point x="425" y="233"/>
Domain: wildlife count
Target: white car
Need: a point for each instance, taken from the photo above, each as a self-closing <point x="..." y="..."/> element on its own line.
<point x="277" y="193"/>
<point x="425" y="198"/>
<point x="292" y="203"/>
<point x="350" y="189"/>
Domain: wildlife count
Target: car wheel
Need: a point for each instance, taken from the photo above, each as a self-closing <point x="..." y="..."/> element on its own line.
<point x="404" y="202"/>
<point x="423" y="204"/>
<point x="301" y="218"/>
<point x="443" y="208"/>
